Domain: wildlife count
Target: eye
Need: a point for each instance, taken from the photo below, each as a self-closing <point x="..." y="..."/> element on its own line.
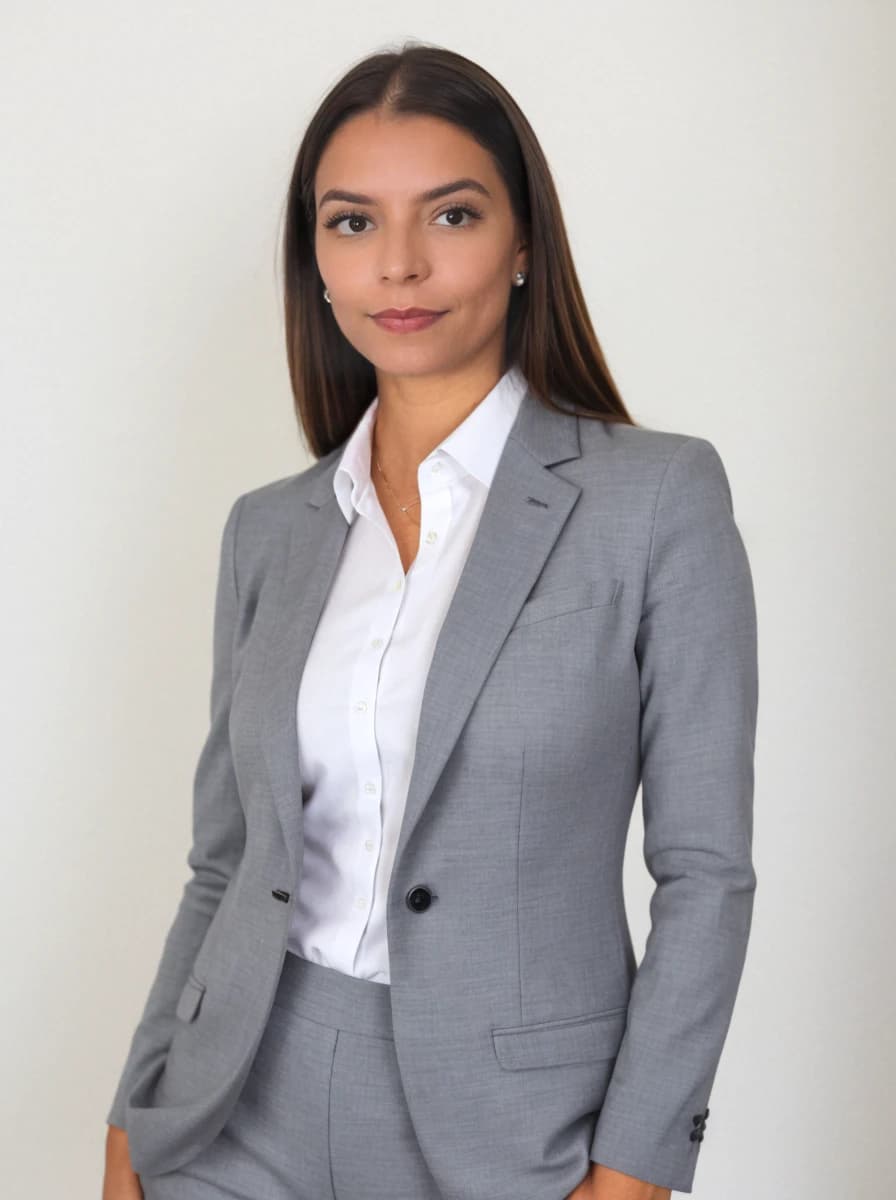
<point x="338" y="218"/>
<point x="461" y="208"/>
<point x="351" y="215"/>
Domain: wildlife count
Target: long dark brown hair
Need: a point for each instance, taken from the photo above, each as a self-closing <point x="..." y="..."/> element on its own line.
<point x="549" y="334"/>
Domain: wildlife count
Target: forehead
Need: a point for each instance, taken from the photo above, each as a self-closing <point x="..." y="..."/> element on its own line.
<point x="392" y="157"/>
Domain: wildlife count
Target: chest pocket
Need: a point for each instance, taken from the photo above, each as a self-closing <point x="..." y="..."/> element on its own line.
<point x="586" y="593"/>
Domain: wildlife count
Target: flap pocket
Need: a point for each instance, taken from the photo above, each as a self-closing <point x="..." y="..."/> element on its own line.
<point x="554" y="1043"/>
<point x="190" y="998"/>
<point x="586" y="593"/>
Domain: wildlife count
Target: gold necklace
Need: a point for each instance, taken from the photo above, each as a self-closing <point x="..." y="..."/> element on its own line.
<point x="404" y="507"/>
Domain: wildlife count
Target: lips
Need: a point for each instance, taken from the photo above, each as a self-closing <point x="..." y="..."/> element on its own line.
<point x="403" y="314"/>
<point x="408" y="320"/>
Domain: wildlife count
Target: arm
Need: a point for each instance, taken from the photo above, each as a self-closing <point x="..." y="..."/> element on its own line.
<point x="697" y="654"/>
<point x="603" y="1183"/>
<point x="218" y="841"/>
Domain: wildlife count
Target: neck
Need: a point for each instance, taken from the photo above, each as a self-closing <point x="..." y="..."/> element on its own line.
<point x="414" y="415"/>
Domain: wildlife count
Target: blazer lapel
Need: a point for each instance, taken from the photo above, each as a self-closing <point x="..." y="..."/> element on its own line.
<point x="525" y="510"/>
<point x="317" y="535"/>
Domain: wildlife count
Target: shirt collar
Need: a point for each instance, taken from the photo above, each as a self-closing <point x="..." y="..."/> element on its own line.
<point x="475" y="445"/>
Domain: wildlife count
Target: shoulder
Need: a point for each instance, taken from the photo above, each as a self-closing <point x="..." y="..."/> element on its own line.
<point x="641" y="446"/>
<point x="261" y="518"/>
<point x="659" y="465"/>
<point x="272" y="503"/>
<point x="683" y="499"/>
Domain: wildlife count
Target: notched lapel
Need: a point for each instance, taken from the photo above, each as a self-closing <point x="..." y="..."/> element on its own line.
<point x="512" y="543"/>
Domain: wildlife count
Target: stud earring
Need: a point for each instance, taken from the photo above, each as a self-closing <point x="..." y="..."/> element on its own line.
<point x="327" y="296"/>
<point x="519" y="279"/>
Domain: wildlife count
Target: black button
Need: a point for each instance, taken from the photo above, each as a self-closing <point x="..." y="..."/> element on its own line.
<point x="698" y="1119"/>
<point x="706" y="1114"/>
<point x="696" y="1136"/>
<point x="418" y="899"/>
<point x="279" y="894"/>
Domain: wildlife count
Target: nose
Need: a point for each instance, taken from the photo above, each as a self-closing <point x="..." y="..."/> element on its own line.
<point x="402" y="258"/>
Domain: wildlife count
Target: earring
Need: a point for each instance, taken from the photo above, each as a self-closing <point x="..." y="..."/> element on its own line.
<point x="327" y="296"/>
<point x="519" y="279"/>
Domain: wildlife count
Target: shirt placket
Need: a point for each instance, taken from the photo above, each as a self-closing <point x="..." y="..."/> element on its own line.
<point x="435" y="476"/>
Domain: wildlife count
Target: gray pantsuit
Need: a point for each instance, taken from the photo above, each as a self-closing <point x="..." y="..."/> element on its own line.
<point x="602" y="637"/>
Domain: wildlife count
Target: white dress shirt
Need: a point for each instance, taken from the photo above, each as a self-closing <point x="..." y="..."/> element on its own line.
<point x="359" y="698"/>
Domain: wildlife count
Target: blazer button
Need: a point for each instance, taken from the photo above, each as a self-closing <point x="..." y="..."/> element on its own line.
<point x="418" y="899"/>
<point x="696" y="1136"/>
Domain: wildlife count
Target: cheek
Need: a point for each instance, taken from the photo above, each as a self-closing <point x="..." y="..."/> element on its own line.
<point x="340" y="274"/>
<point x="478" y="293"/>
<point x="479" y="313"/>
<point x="477" y="274"/>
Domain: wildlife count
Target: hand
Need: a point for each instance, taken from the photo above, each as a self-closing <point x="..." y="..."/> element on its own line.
<point x="120" y="1180"/>
<point x="603" y="1183"/>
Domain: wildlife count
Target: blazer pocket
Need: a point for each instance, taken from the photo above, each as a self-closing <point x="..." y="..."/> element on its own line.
<point x="587" y="593"/>
<point x="190" y="998"/>
<point x="556" y="1043"/>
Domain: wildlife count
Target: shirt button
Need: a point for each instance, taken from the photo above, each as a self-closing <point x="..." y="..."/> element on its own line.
<point x="431" y="536"/>
<point x="369" y="786"/>
<point x="361" y="706"/>
<point x="376" y="643"/>
<point x="436" y="467"/>
<point x="368" y="845"/>
<point x="360" y="902"/>
<point x="396" y="586"/>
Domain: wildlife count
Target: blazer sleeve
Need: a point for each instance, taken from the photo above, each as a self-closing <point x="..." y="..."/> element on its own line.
<point x="696" y="648"/>
<point x="219" y="835"/>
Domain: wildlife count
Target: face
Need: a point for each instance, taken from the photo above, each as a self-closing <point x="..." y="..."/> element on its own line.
<point x="455" y="253"/>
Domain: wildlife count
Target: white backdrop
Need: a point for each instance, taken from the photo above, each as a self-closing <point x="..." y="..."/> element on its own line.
<point x="727" y="184"/>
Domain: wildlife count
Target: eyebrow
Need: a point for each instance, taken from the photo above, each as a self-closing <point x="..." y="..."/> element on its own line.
<point x="444" y="189"/>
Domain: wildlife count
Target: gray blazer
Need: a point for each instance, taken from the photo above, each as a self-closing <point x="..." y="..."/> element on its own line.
<point x="602" y="635"/>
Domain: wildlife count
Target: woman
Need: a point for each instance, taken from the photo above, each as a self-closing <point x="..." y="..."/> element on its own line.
<point x="445" y="657"/>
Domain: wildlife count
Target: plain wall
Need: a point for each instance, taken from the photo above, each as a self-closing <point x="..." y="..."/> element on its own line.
<point x="728" y="187"/>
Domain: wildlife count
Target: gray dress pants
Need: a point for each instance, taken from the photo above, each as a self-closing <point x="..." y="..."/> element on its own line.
<point x="322" y="1115"/>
